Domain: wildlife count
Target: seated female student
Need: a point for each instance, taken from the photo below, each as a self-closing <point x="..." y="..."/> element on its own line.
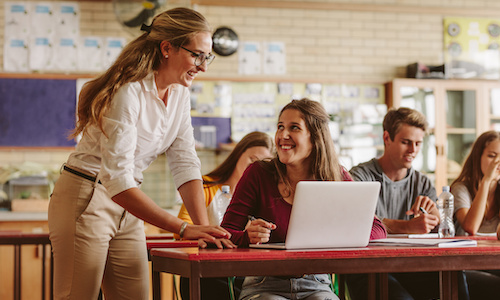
<point x="305" y="151"/>
<point x="477" y="206"/>
<point x="252" y="147"/>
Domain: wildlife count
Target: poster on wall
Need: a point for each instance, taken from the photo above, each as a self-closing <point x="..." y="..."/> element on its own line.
<point x="45" y="36"/>
<point x="249" y="58"/>
<point x="274" y="58"/>
<point x="15" y="57"/>
<point x="471" y="47"/>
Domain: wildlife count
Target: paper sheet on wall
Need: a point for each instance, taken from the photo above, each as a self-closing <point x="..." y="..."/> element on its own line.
<point x="42" y="36"/>
<point x="40" y="54"/>
<point x="15" y="54"/>
<point x="42" y="19"/>
<point x="64" y="54"/>
<point x="113" y="46"/>
<point x="274" y="58"/>
<point x="67" y="19"/>
<point x="90" y="54"/>
<point x="17" y="22"/>
<point x="249" y="58"/>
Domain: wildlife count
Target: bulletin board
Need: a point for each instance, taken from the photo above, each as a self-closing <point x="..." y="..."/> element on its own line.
<point x="472" y="47"/>
<point x="37" y="112"/>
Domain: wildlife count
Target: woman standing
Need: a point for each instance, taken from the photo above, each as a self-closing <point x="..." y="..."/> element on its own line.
<point x="138" y="109"/>
<point x="305" y="151"/>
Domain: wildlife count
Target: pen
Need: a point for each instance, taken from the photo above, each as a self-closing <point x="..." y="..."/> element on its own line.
<point x="251" y="218"/>
<point x="423" y="210"/>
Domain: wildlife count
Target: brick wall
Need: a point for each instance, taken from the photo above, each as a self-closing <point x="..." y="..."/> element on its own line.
<point x="333" y="40"/>
<point x="360" y="40"/>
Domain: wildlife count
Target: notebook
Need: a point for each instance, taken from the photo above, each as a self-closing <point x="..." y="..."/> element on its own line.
<point x="423" y="242"/>
<point x="330" y="214"/>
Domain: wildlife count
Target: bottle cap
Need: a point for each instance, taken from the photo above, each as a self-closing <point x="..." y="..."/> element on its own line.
<point x="446" y="188"/>
<point x="225" y="188"/>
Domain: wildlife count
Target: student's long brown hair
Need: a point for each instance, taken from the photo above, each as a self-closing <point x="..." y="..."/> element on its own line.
<point x="139" y="58"/>
<point x="325" y="165"/>
<point x="471" y="173"/>
<point x="225" y="170"/>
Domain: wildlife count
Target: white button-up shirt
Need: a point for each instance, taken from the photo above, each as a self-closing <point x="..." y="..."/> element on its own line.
<point x="138" y="128"/>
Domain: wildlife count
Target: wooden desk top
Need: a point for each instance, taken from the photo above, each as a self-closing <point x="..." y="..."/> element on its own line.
<point x="379" y="259"/>
<point x="170" y="243"/>
<point x="486" y="246"/>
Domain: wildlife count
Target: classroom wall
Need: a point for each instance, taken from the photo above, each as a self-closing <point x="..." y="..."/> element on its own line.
<point x="331" y="40"/>
<point x="342" y="40"/>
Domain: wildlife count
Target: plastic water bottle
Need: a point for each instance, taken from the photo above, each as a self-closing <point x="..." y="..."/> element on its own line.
<point x="445" y="206"/>
<point x="218" y="206"/>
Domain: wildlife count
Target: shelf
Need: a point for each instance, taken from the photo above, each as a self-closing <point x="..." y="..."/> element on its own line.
<point x="460" y="130"/>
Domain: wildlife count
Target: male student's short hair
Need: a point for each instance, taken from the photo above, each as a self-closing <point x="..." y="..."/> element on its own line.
<point x="396" y="118"/>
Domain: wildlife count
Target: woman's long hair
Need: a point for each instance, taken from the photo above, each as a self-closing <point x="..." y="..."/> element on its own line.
<point x="324" y="161"/>
<point x="139" y="58"/>
<point x="471" y="173"/>
<point x="225" y="170"/>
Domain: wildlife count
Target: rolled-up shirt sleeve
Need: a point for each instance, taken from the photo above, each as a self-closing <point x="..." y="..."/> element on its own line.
<point x="117" y="170"/>
<point x="181" y="155"/>
<point x="118" y="144"/>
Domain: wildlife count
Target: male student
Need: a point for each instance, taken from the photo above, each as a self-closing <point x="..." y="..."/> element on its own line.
<point x="406" y="202"/>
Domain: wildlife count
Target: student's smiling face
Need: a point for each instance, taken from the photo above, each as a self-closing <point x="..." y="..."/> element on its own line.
<point x="293" y="139"/>
<point x="405" y="146"/>
<point x="180" y="64"/>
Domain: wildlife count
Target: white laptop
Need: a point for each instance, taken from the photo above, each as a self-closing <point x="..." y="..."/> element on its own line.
<point x="330" y="214"/>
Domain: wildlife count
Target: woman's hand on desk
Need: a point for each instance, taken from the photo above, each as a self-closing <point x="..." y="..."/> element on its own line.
<point x="218" y="243"/>
<point x="208" y="234"/>
<point x="259" y="231"/>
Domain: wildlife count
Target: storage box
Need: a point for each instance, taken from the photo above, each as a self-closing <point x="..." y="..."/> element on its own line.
<point x="29" y="205"/>
<point x="29" y="187"/>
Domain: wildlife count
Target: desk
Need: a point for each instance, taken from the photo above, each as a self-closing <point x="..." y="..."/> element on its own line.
<point x="197" y="263"/>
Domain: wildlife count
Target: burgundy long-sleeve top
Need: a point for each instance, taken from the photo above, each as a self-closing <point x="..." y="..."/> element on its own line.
<point x="257" y="194"/>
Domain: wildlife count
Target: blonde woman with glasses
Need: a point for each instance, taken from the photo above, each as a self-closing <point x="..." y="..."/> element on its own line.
<point x="138" y="109"/>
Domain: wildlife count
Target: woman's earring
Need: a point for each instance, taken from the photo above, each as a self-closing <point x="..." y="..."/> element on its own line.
<point x="166" y="55"/>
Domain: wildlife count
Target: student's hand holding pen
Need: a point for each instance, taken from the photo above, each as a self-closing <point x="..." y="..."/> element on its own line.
<point x="426" y="215"/>
<point x="259" y="230"/>
<point x="423" y="205"/>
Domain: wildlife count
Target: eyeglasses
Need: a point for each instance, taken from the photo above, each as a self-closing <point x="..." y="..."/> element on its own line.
<point x="201" y="57"/>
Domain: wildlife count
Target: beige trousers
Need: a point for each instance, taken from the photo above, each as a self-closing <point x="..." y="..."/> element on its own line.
<point x="95" y="243"/>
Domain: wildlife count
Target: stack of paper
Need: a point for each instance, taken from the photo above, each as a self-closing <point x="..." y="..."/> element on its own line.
<point x="422" y="242"/>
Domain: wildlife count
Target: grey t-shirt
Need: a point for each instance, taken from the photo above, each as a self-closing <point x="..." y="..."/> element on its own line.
<point x="463" y="199"/>
<point x="396" y="197"/>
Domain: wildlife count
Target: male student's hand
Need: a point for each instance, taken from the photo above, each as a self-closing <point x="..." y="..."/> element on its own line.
<point x="423" y="205"/>
<point x="423" y="223"/>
